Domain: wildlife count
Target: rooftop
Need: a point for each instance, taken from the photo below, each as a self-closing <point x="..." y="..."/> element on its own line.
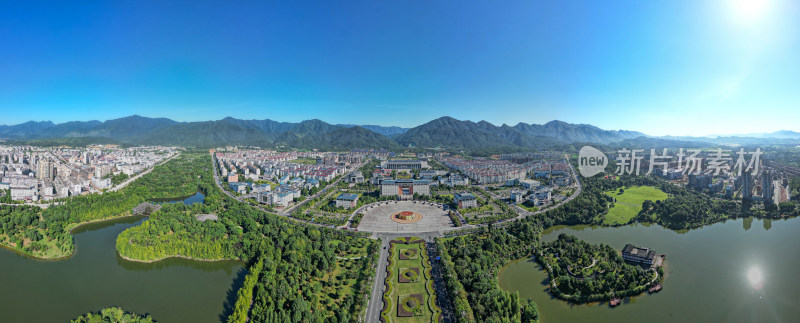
<point x="347" y="197"/>
<point x="638" y="251"/>
<point x="464" y="196"/>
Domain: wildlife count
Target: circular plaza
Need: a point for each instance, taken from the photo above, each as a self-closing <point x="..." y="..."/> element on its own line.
<point x="404" y="217"/>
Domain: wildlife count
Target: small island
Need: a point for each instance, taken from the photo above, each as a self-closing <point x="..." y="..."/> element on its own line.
<point x="581" y="272"/>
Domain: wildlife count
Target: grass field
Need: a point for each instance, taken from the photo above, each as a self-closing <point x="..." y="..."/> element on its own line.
<point x="629" y="203"/>
<point x="417" y="287"/>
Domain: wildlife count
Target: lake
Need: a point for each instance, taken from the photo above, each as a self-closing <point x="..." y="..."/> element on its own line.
<point x="742" y="270"/>
<point x="94" y="277"/>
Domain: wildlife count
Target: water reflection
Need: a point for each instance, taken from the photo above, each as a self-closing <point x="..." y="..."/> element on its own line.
<point x="207" y="266"/>
<point x="188" y="200"/>
<point x="756" y="278"/>
<point x="747" y="223"/>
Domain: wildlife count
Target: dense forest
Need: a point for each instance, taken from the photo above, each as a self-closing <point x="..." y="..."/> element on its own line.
<point x="113" y="314"/>
<point x="470" y="266"/>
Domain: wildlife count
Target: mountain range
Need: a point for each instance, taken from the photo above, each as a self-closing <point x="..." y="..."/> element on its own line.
<point x="444" y="132"/>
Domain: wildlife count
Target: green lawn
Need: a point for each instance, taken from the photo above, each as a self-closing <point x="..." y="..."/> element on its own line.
<point x="417" y="287"/>
<point x="630" y="202"/>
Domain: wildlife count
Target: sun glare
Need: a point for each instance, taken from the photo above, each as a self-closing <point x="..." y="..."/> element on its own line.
<point x="750" y="11"/>
<point x="755" y="277"/>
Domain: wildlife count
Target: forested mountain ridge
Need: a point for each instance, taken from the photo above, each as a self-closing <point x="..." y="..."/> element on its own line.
<point x="444" y="132"/>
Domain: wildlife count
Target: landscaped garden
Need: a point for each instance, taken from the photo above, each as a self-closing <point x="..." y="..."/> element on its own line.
<point x="409" y="295"/>
<point x="629" y="202"/>
<point x="581" y="272"/>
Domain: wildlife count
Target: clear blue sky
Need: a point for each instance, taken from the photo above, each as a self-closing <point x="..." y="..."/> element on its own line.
<point x="661" y="67"/>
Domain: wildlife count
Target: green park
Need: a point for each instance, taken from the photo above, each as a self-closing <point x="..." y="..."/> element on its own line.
<point x="628" y="203"/>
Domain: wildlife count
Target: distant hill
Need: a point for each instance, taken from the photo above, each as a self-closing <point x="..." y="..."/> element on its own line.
<point x="25" y="130"/>
<point x="130" y="127"/>
<point x="386" y="131"/>
<point x="449" y="132"/>
<point x="267" y="126"/>
<point x="344" y="138"/>
<point x="121" y="129"/>
<point x="445" y="132"/>
<point x="783" y="134"/>
<point x="568" y="132"/>
<point x="70" y="129"/>
<point x="204" y="134"/>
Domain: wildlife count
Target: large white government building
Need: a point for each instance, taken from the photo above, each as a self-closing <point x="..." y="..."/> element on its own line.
<point x="404" y="164"/>
<point x="405" y="188"/>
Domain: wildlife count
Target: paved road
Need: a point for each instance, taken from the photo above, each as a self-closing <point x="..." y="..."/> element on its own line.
<point x="376" y="299"/>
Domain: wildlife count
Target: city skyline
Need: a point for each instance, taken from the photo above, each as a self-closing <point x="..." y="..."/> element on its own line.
<point x="678" y="68"/>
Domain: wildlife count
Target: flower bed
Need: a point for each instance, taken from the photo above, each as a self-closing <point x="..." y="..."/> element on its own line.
<point x="408" y="275"/>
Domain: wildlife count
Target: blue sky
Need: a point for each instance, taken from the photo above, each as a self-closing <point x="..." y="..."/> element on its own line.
<point x="660" y="67"/>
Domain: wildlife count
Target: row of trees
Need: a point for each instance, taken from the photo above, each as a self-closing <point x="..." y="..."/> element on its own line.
<point x="113" y="314"/>
<point x="245" y="294"/>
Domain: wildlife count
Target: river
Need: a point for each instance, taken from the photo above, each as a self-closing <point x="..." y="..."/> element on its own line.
<point x="94" y="277"/>
<point x="742" y="270"/>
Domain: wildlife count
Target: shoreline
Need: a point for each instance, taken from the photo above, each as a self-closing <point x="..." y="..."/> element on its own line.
<point x="36" y="257"/>
<point x="175" y="256"/>
<point x="126" y="215"/>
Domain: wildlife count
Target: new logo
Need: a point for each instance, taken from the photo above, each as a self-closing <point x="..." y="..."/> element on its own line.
<point x="591" y="161"/>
